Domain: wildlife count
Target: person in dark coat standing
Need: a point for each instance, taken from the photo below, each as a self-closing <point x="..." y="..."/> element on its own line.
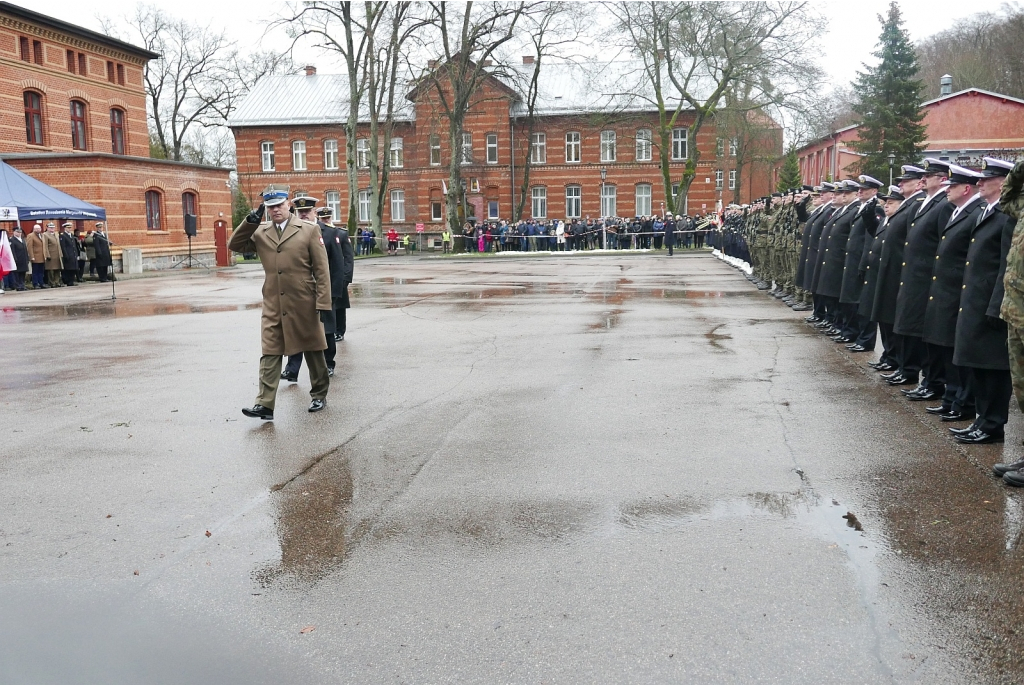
<point x="815" y="223"/>
<point x="69" y="254"/>
<point x="891" y="203"/>
<point x="341" y="302"/>
<point x="942" y="309"/>
<point x="923" y="236"/>
<point x="833" y="259"/>
<point x="980" y="349"/>
<point x="890" y="264"/>
<point x="21" y="264"/>
<point x="670" y="233"/>
<point x="304" y="209"/>
<point x="102" y="247"/>
<point x="862" y="231"/>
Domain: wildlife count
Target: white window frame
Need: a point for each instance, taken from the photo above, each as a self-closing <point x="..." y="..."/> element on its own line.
<point x="267" y="156"/>
<point x="492" y="148"/>
<point x="608" y="147"/>
<point x="539" y="202"/>
<point x="574" y="202"/>
<point x="435" y="147"/>
<point x="397" y="159"/>
<point x="298" y="155"/>
<point x="679" y="144"/>
<point x="496" y="214"/>
<point x="539" y="148"/>
<point x="362" y="153"/>
<point x="732" y="179"/>
<point x="734" y="146"/>
<point x="719" y="178"/>
<point x="398" y="205"/>
<point x="466" y="149"/>
<point x="719" y="147"/>
<point x="609" y="200"/>
<point x="644" y="145"/>
<point x="363" y="201"/>
<point x="333" y="202"/>
<point x="643" y="202"/>
<point x="572" y="147"/>
<point x="331" y="154"/>
<point x="440" y="214"/>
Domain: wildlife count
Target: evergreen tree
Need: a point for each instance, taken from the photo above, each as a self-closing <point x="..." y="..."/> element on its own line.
<point x="890" y="102"/>
<point x="789" y="175"/>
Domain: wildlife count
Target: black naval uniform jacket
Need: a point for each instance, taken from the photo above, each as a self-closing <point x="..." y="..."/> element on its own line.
<point x="948" y="276"/>
<point x="862" y="230"/>
<point x="815" y="225"/>
<point x="805" y="246"/>
<point x="819" y="258"/>
<point x="980" y="333"/>
<point x="803" y="218"/>
<point x="336" y="266"/>
<point x="890" y="260"/>
<point x="830" y="283"/>
<point x="869" y="267"/>
<point x="918" y="261"/>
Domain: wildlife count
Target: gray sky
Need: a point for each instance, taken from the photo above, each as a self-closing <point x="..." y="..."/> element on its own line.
<point x="851" y="37"/>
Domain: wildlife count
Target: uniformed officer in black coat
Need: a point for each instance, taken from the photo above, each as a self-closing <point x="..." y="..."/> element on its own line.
<point x="890" y="264"/>
<point x="304" y="207"/>
<point x="923" y="236"/>
<point x="941" y="311"/>
<point x="21" y="262"/>
<point x="340" y="294"/>
<point x="863" y="331"/>
<point x="833" y="260"/>
<point x="69" y="254"/>
<point x="890" y="203"/>
<point x="980" y="349"/>
<point x="101" y="245"/>
<point x="815" y="224"/>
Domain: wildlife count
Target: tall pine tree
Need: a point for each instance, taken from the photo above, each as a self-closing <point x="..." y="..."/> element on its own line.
<point x="789" y="174"/>
<point x="890" y="102"/>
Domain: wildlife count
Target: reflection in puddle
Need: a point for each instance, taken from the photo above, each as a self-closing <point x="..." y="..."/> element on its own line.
<point x="608" y="320"/>
<point x="116" y="309"/>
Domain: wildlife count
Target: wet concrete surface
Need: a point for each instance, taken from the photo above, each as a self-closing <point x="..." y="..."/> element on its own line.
<point x="586" y="469"/>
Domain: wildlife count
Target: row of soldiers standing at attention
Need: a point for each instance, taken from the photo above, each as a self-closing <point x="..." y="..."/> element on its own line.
<point x="934" y="266"/>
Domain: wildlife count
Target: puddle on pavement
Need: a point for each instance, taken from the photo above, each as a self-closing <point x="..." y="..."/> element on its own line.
<point x="715" y="338"/>
<point x="607" y="320"/>
<point x="114" y="309"/>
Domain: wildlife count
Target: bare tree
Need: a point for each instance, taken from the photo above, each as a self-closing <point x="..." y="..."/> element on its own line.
<point x="692" y="54"/>
<point x="465" y="39"/>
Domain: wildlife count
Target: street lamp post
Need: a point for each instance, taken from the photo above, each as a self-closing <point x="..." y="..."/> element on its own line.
<point x="892" y="160"/>
<point x="604" y="223"/>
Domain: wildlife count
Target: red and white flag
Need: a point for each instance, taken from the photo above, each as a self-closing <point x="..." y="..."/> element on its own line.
<point x="7" y="264"/>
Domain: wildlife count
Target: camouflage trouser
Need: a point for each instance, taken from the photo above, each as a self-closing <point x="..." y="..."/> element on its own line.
<point x="1015" y="346"/>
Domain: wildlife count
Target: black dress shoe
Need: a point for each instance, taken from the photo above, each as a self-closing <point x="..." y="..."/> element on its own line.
<point x="317" y="405"/>
<point x="338" y="337"/>
<point x="962" y="431"/>
<point x="978" y="437"/>
<point x="857" y="348"/>
<point x="922" y="396"/>
<point x="259" y="412"/>
<point x="876" y="365"/>
<point x="293" y="377"/>
<point x="900" y="380"/>
<point x="1014" y="478"/>
<point x="954" y="416"/>
<point x="887" y="376"/>
<point x="1002" y="469"/>
<point x="330" y="370"/>
<point x="916" y="389"/>
<point x="941" y="409"/>
<point x="811" y="319"/>
<point x="888" y="367"/>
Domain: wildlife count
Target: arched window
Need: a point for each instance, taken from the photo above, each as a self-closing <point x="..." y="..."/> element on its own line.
<point x="117" y="131"/>
<point x="153" y="210"/>
<point x="188" y="204"/>
<point x="34" y="117"/>
<point x="78" y="140"/>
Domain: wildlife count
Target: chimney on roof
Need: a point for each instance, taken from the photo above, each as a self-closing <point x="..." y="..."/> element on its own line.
<point x="946" y="85"/>
<point x="310" y="70"/>
<point x="527" y="59"/>
<point x="487" y="63"/>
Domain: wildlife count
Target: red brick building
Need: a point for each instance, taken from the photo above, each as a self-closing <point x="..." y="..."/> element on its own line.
<point x="73" y="115"/>
<point x="290" y="130"/>
<point x="962" y="127"/>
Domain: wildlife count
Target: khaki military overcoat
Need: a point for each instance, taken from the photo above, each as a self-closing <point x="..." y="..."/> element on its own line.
<point x="54" y="260"/>
<point x="297" y="284"/>
<point x="36" y="248"/>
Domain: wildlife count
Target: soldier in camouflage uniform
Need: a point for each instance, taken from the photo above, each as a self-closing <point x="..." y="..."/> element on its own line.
<point x="1011" y="202"/>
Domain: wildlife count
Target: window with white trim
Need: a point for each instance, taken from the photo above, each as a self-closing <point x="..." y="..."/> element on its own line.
<point x="363" y="153"/>
<point x="363" y="205"/>
<point x="397" y="160"/>
<point x="643" y="199"/>
<point x="608" y="146"/>
<point x="539" y="148"/>
<point x="719" y="147"/>
<point x="435" y="149"/>
<point x="334" y="203"/>
<point x="467" y="148"/>
<point x="539" y="195"/>
<point x="573" y="202"/>
<point x="608" y="207"/>
<point x="492" y="210"/>
<point x="734" y="145"/>
<point x="398" y="205"/>
<point x="492" y="148"/>
<point x="267" y="155"/>
<point x="679" y="143"/>
<point x="643" y="145"/>
<point x="718" y="179"/>
<point x="572" y="147"/>
<point x="299" y="155"/>
<point x="331" y="154"/>
<point x="732" y="179"/>
<point x="436" y="210"/>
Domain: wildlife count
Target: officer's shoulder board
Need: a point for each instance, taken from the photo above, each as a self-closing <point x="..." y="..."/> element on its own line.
<point x="920" y="199"/>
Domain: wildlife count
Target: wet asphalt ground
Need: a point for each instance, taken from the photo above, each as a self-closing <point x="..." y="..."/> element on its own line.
<point x="550" y="469"/>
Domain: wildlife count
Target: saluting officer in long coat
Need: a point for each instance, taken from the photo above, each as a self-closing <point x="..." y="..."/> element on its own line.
<point x="862" y="330"/>
<point x="296" y="289"/>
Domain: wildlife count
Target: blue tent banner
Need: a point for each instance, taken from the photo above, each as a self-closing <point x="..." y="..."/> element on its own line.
<point x="27" y="199"/>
